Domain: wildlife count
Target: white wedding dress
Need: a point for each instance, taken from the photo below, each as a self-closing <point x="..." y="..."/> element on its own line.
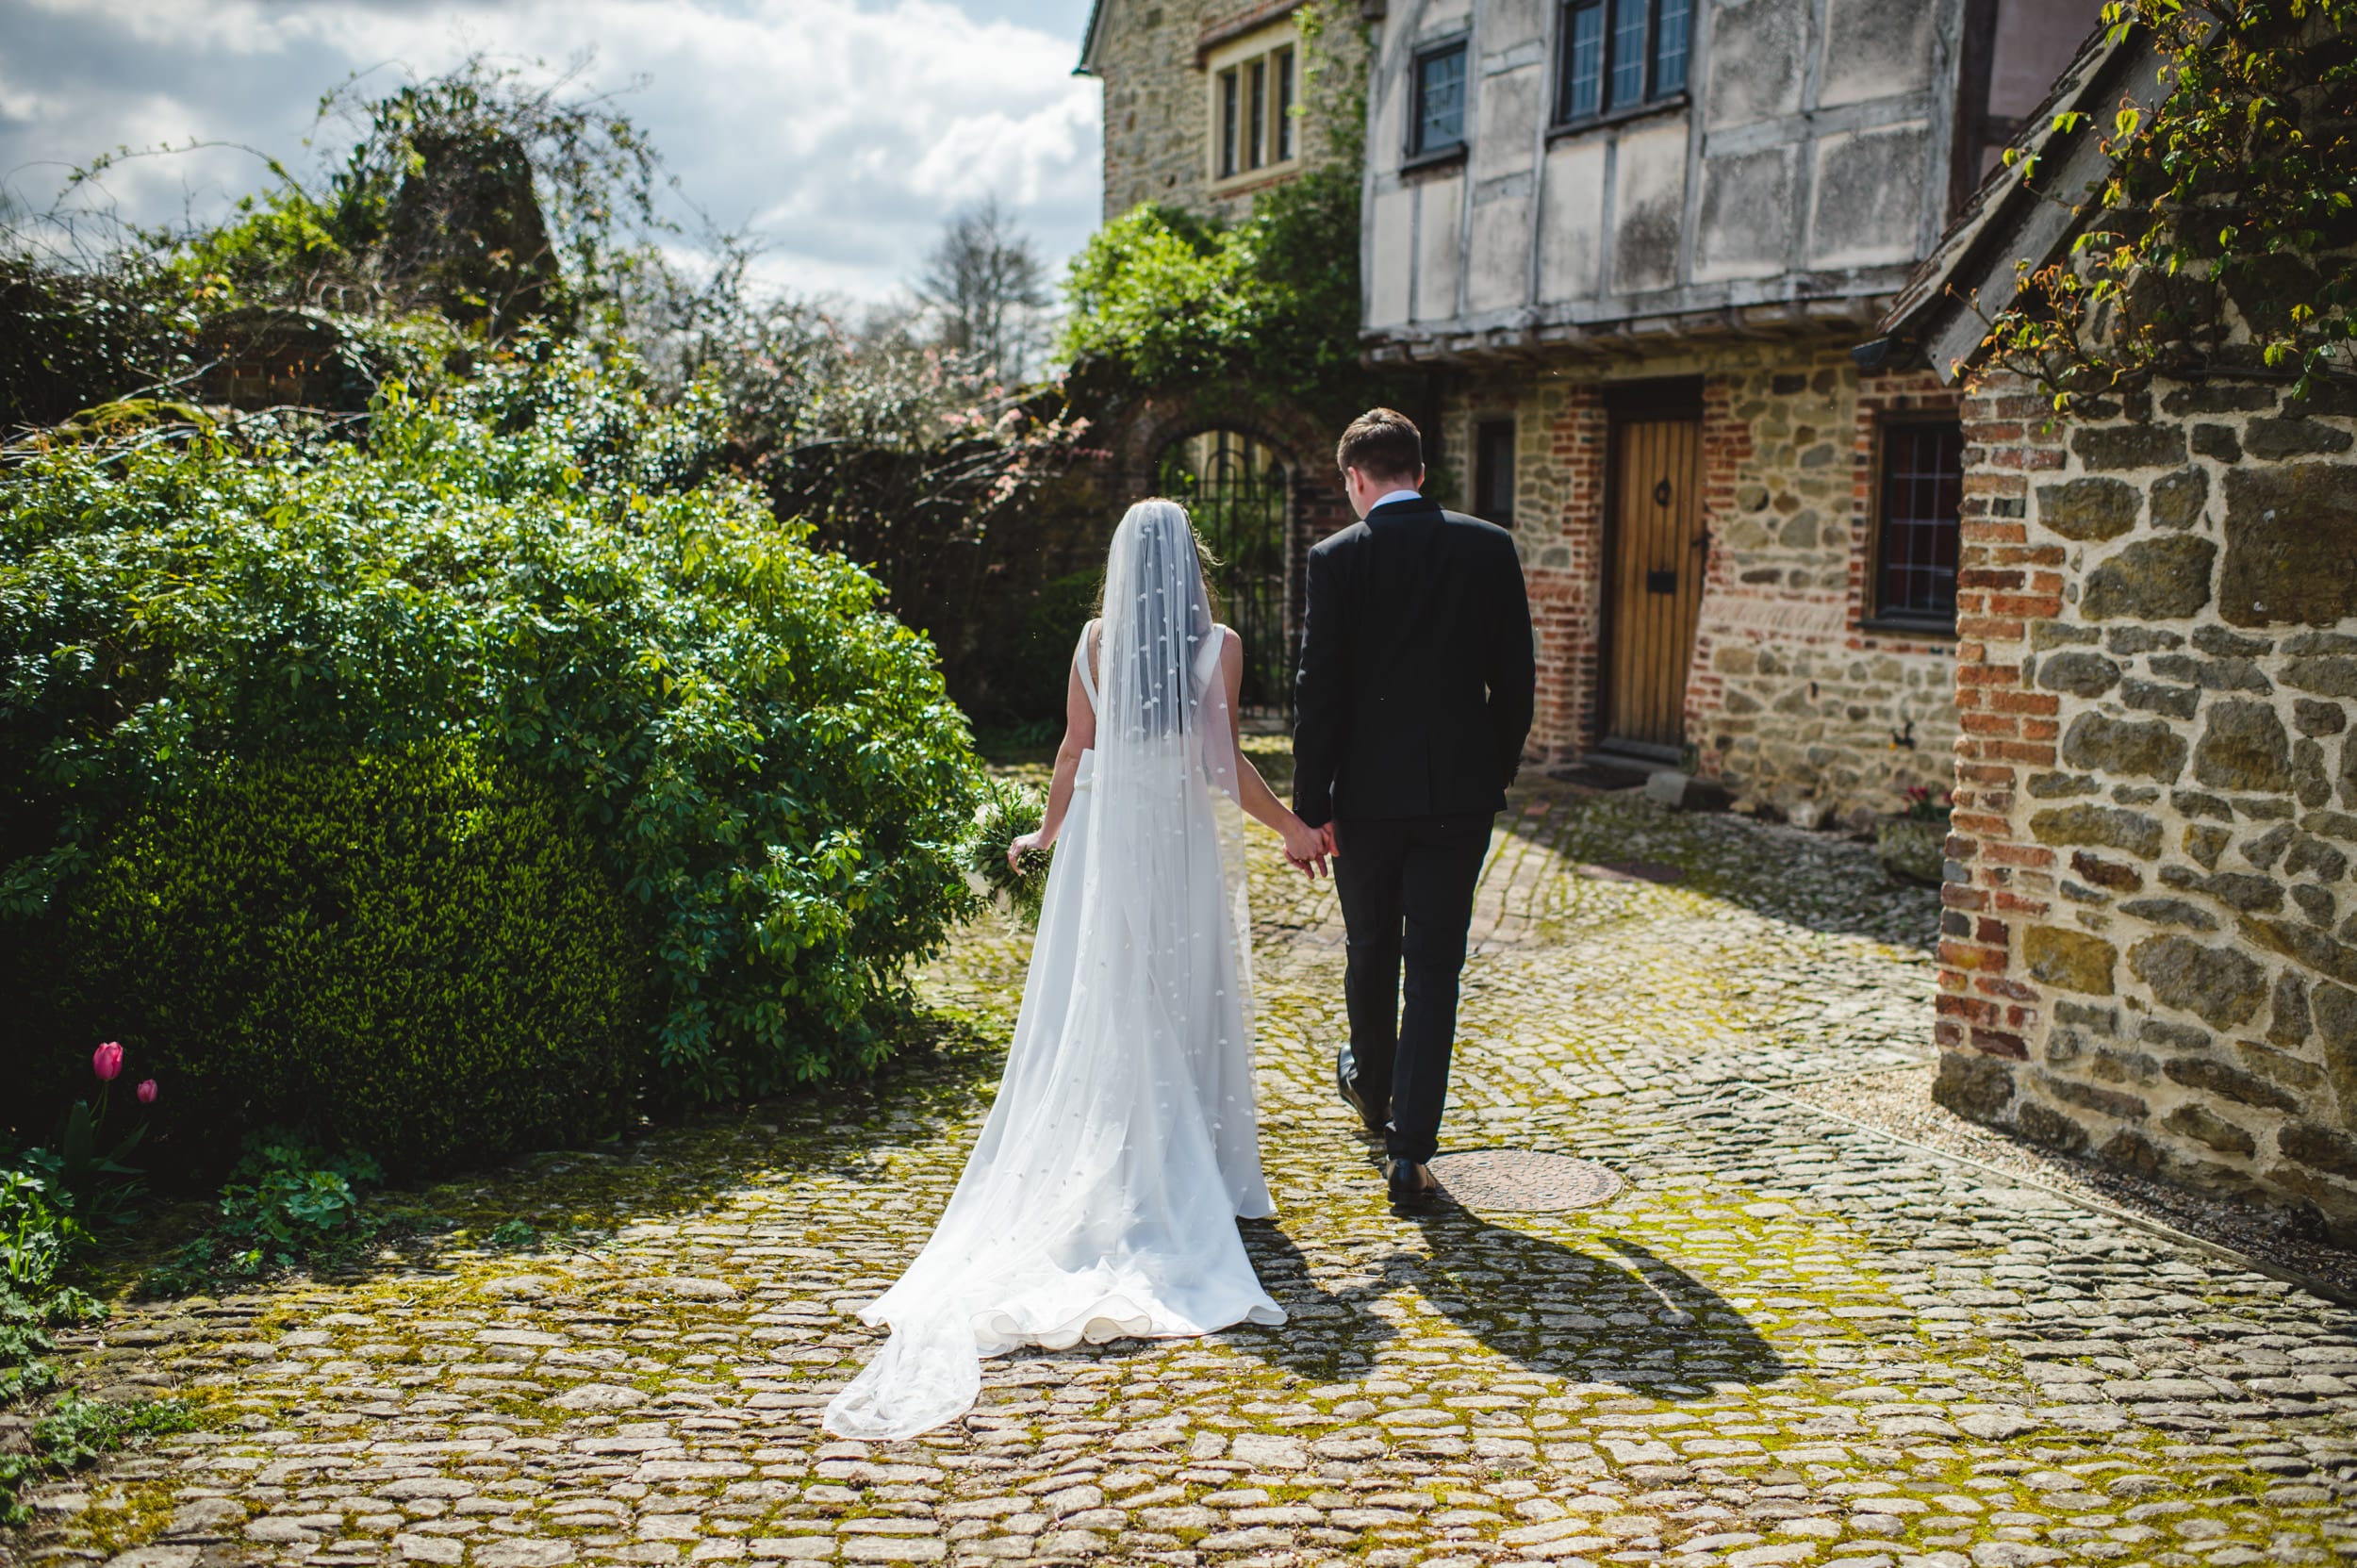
<point x="1100" y="1200"/>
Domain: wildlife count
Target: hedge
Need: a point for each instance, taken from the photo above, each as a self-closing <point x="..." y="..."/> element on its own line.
<point x="408" y="952"/>
<point x="558" y="573"/>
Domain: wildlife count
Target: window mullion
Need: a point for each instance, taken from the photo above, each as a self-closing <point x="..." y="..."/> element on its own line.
<point x="1652" y="32"/>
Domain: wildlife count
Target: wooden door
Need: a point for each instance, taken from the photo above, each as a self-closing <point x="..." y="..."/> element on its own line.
<point x="1654" y="592"/>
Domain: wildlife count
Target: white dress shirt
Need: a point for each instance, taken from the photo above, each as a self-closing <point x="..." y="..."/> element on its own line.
<point x="1398" y="495"/>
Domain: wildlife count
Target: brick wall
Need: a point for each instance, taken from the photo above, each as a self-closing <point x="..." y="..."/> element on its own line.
<point x="2149" y="949"/>
<point x="1792" y="699"/>
<point x="1561" y="430"/>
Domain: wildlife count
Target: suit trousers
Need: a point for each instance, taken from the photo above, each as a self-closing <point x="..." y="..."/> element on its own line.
<point x="1406" y="891"/>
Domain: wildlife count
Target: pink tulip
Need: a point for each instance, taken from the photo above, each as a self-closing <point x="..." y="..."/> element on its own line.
<point x="147" y="1091"/>
<point x="106" y="1060"/>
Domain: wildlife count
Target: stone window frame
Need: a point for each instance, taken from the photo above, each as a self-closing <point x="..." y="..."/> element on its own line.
<point x="1877" y="416"/>
<point x="1414" y="155"/>
<point x="1235" y="56"/>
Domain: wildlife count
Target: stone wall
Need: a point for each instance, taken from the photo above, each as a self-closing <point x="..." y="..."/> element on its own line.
<point x="1796" y="699"/>
<point x="1792" y="701"/>
<point x="2150" y="949"/>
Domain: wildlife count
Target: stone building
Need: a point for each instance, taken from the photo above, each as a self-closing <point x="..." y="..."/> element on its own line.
<point x="1635" y="242"/>
<point x="2150" y="944"/>
<point x="1208" y="104"/>
<point x="1205" y="101"/>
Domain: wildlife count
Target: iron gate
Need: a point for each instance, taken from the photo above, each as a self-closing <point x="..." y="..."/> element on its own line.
<point x="1235" y="489"/>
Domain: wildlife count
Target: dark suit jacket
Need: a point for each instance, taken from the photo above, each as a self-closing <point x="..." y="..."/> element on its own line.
<point x="1417" y="677"/>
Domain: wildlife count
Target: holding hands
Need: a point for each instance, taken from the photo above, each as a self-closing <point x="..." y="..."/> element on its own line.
<point x="1307" y="848"/>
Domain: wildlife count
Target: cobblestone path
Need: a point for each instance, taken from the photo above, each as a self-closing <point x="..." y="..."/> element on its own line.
<point x="1787" y="1341"/>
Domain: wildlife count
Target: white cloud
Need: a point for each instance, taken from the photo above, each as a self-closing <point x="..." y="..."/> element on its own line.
<point x="841" y="133"/>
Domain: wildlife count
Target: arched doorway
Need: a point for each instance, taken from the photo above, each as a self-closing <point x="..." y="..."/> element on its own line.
<point x="1238" y="489"/>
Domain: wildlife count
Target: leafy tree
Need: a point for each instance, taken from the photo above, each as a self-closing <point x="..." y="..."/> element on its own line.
<point x="910" y="459"/>
<point x="2224" y="235"/>
<point x="1270" y="305"/>
<point x="1166" y="295"/>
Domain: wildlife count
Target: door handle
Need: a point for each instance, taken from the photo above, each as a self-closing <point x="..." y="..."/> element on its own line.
<point x="1661" y="492"/>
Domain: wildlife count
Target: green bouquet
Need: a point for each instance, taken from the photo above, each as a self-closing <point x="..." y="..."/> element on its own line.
<point x="1009" y="811"/>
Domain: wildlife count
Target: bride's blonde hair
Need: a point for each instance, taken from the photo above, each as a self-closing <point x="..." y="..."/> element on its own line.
<point x="1205" y="561"/>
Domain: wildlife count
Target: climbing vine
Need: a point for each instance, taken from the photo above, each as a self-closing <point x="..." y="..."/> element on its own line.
<point x="2225" y="235"/>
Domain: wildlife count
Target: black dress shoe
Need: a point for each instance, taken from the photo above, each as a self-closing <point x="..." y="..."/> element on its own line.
<point x="1346" y="1080"/>
<point x="1409" y="1184"/>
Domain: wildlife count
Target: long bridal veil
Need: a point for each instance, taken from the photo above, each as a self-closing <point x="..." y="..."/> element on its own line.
<point x="1101" y="1199"/>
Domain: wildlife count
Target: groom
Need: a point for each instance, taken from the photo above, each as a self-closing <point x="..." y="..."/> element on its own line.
<point x="1410" y="712"/>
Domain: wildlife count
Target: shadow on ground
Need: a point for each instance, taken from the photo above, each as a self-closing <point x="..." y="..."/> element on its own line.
<point x="1817" y="880"/>
<point x="1611" y="1312"/>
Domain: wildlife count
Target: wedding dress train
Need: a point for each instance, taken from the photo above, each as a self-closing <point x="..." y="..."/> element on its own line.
<point x="1099" y="1201"/>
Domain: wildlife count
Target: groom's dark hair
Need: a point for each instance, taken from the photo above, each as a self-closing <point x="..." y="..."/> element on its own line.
<point x="1383" y="443"/>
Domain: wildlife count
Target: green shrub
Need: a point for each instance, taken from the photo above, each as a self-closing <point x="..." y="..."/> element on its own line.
<point x="406" y="951"/>
<point x="35" y="1236"/>
<point x="72" y="339"/>
<point x="78" y="1430"/>
<point x="286" y="1203"/>
<point x="766" y="765"/>
<point x="1269" y="305"/>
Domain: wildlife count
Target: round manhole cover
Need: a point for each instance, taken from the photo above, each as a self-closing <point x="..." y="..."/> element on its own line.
<point x="1518" y="1179"/>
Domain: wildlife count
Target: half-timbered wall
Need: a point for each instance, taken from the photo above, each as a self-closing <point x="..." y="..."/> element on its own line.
<point x="1807" y="164"/>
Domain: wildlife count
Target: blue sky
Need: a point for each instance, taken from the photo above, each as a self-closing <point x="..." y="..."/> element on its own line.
<point x="839" y="132"/>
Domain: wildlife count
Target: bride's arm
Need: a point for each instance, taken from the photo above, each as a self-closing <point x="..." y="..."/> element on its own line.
<point x="1259" y="802"/>
<point x="1079" y="734"/>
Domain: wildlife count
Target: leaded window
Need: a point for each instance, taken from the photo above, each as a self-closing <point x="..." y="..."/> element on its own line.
<point x="1621" y="55"/>
<point x="1253" y="106"/>
<point x="1916" y="531"/>
<point x="1583" y="61"/>
<point x="1440" y="107"/>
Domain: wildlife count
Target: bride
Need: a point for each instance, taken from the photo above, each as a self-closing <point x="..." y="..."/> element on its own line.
<point x="1101" y="1199"/>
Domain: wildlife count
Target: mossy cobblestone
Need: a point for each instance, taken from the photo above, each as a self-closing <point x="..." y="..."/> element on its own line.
<point x="1787" y="1341"/>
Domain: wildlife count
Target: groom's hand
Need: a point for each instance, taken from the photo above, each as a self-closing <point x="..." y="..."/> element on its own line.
<point x="1305" y="849"/>
<point x="1327" y="847"/>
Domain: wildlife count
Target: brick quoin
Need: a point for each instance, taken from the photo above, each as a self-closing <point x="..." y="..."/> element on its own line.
<point x="1566" y="579"/>
<point x="1998" y="594"/>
